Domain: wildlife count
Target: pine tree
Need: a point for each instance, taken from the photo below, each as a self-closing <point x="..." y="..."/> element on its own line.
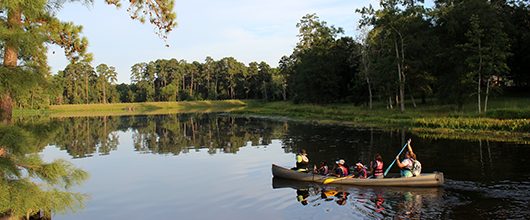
<point x="21" y="165"/>
<point x="26" y="26"/>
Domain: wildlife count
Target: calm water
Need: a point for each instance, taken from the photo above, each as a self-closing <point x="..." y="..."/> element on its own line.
<point x="219" y="167"/>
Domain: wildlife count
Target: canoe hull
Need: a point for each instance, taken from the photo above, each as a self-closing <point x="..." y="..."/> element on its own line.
<point x="424" y="180"/>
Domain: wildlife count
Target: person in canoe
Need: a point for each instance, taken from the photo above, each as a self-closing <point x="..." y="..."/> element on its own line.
<point x="341" y="170"/>
<point x="302" y="162"/>
<point x="342" y="198"/>
<point x="409" y="166"/>
<point x="376" y="167"/>
<point x="360" y="171"/>
<point x="301" y="196"/>
<point x="322" y="169"/>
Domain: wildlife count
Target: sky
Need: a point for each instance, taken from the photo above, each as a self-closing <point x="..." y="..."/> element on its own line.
<point x="247" y="30"/>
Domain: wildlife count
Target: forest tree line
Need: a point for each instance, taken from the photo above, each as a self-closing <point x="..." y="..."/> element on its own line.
<point x="165" y="80"/>
<point x="455" y="51"/>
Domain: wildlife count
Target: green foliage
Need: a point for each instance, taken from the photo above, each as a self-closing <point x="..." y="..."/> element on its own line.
<point x="173" y="80"/>
<point x="432" y="117"/>
<point x="409" y="50"/>
<point x="21" y="166"/>
<point x="322" y="66"/>
<point x="517" y="125"/>
<point x="26" y="27"/>
<point x="508" y="113"/>
<point x="159" y="13"/>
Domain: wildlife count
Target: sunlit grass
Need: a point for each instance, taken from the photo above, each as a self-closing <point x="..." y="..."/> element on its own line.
<point x="507" y="118"/>
<point x="508" y="114"/>
<point x="144" y="108"/>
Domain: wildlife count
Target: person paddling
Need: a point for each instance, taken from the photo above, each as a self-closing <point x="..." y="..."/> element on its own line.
<point x="376" y="167"/>
<point x="360" y="171"/>
<point x="407" y="163"/>
<point x="302" y="162"/>
<point x="341" y="170"/>
<point x="322" y="169"/>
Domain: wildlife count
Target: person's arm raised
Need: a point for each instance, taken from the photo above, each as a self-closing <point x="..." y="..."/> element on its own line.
<point x="409" y="146"/>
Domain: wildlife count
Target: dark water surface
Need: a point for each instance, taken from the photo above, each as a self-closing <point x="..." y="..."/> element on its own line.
<point x="210" y="166"/>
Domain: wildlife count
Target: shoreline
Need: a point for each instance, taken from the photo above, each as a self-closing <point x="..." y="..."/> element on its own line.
<point x="433" y="121"/>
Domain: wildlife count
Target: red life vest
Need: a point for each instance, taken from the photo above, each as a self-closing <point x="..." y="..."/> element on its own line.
<point x="344" y="170"/>
<point x="378" y="168"/>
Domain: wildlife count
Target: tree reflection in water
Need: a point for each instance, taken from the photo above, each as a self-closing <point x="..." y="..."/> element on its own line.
<point x="30" y="186"/>
<point x="163" y="134"/>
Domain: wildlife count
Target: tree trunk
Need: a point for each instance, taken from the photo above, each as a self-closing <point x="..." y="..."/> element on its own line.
<point x="390" y="106"/>
<point x="177" y="91"/>
<point x="216" y="89"/>
<point x="479" y="95"/>
<point x="14" y="22"/>
<point x="413" y="100"/>
<point x="366" y="69"/>
<point x="86" y="87"/>
<point x="191" y="85"/>
<point x="104" y="94"/>
<point x="6" y="108"/>
<point x="369" y="92"/>
<point x="400" y="77"/>
<point x="487" y="95"/>
<point x="183" y="83"/>
<point x="208" y="86"/>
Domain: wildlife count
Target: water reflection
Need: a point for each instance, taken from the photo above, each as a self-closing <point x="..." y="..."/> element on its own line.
<point x="484" y="178"/>
<point x="370" y="202"/>
<point x="182" y="133"/>
<point x="163" y="134"/>
<point x="29" y="186"/>
<point x="177" y="134"/>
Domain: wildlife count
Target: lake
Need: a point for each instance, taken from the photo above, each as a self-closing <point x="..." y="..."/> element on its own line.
<point x="218" y="166"/>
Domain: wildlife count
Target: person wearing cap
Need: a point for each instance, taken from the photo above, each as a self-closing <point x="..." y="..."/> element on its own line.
<point x="407" y="163"/>
<point x="341" y="170"/>
<point x="360" y="171"/>
<point x="302" y="162"/>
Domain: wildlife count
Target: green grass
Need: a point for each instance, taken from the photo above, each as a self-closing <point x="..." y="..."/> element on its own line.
<point x="145" y="108"/>
<point x="507" y="119"/>
<point x="507" y="115"/>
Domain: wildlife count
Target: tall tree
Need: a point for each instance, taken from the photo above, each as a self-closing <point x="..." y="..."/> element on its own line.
<point x="323" y="64"/>
<point x="107" y="77"/>
<point x="474" y="48"/>
<point x="27" y="25"/>
<point x="488" y="55"/>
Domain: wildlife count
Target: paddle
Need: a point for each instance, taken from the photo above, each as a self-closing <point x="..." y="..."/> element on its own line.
<point x="388" y="169"/>
<point x="330" y="180"/>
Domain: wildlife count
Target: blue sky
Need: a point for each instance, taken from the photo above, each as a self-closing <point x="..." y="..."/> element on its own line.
<point x="246" y="30"/>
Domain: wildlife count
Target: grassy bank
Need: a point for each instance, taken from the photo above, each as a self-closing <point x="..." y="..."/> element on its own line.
<point x="146" y="108"/>
<point x="428" y="116"/>
<point x="507" y="119"/>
